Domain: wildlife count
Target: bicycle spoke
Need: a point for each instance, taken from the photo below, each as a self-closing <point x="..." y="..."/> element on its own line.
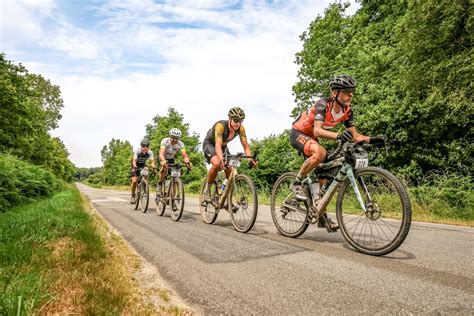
<point x="242" y="203"/>
<point x="385" y="224"/>
<point x="288" y="214"/>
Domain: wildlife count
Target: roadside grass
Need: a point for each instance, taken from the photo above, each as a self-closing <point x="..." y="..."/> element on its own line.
<point x="58" y="258"/>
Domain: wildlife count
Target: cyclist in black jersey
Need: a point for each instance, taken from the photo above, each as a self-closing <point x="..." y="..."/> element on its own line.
<point x="215" y="144"/>
<point x="140" y="156"/>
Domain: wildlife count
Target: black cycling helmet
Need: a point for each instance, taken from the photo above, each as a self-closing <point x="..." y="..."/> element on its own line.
<point x="236" y="113"/>
<point x="145" y="142"/>
<point x="342" y="82"/>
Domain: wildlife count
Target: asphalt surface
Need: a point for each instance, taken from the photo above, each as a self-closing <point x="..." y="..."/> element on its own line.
<point x="220" y="271"/>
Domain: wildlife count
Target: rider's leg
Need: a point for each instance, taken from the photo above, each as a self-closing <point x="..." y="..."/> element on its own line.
<point x="316" y="154"/>
<point x="211" y="177"/>
<point x="133" y="188"/>
<point x="163" y="174"/>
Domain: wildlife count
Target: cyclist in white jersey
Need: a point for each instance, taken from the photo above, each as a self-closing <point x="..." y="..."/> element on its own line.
<point x="168" y="149"/>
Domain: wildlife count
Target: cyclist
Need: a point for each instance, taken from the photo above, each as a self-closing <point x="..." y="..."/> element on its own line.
<point x="140" y="156"/>
<point x="315" y="123"/>
<point x="215" y="144"/>
<point x="168" y="149"/>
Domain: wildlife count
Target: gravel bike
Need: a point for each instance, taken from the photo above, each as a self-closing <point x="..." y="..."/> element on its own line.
<point x="172" y="193"/>
<point x="143" y="190"/>
<point x="237" y="195"/>
<point x="373" y="209"/>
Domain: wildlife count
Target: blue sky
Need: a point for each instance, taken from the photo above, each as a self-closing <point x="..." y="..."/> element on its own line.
<point x="120" y="63"/>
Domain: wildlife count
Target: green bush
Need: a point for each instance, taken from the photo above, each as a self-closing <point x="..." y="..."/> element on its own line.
<point x="446" y="196"/>
<point x="193" y="187"/>
<point x="22" y="182"/>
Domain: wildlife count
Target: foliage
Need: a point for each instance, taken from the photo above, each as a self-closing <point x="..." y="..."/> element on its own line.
<point x="116" y="158"/>
<point x="57" y="260"/>
<point x="159" y="129"/>
<point x="83" y="173"/>
<point x="413" y="63"/>
<point x="22" y="182"/>
<point x="275" y="156"/>
<point x="446" y="196"/>
<point x="30" y="107"/>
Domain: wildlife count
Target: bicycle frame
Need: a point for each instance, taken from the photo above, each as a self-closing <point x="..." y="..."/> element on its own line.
<point x="227" y="189"/>
<point x="171" y="178"/>
<point x="347" y="171"/>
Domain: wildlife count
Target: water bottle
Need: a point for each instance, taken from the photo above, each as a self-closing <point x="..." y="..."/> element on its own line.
<point x="315" y="189"/>
<point x="224" y="185"/>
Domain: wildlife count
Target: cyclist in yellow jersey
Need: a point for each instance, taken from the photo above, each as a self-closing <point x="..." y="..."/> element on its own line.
<point x="215" y="144"/>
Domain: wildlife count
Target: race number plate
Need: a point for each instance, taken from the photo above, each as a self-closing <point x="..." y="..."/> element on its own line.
<point x="144" y="172"/>
<point x="175" y="173"/>
<point x="234" y="163"/>
<point x="362" y="160"/>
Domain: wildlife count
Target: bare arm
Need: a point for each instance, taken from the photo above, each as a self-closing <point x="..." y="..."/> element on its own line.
<point x="162" y="153"/>
<point x="320" y="132"/>
<point x="218" y="134"/>
<point x="185" y="156"/>
<point x="246" y="147"/>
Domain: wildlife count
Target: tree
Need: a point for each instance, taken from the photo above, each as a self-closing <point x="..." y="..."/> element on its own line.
<point x="116" y="158"/>
<point x="30" y="108"/>
<point x="159" y="129"/>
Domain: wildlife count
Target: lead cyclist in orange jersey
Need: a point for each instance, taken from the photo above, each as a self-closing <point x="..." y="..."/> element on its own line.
<point x="315" y="123"/>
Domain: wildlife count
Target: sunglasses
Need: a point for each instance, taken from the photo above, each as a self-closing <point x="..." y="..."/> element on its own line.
<point x="349" y="90"/>
<point x="145" y="146"/>
<point x="174" y="138"/>
<point x="237" y="121"/>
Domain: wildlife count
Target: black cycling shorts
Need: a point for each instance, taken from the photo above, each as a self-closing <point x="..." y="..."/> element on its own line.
<point x="210" y="150"/>
<point x="301" y="142"/>
<point x="137" y="173"/>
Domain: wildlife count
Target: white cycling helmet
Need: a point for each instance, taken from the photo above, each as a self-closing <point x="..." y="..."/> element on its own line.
<point x="175" y="132"/>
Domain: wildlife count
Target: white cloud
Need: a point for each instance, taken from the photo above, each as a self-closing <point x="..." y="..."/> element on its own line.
<point x="21" y="21"/>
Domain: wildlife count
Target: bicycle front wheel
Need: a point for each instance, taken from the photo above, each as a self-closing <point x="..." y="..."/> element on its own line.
<point x="384" y="225"/>
<point x="144" y="196"/>
<point x="138" y="194"/>
<point x="208" y="209"/>
<point x="177" y="199"/>
<point x="242" y="203"/>
<point x="289" y="215"/>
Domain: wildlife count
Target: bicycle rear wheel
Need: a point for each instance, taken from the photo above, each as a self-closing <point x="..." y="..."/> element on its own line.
<point x="160" y="200"/>
<point x="208" y="210"/>
<point x="144" y="196"/>
<point x="242" y="203"/>
<point x="289" y="215"/>
<point x="177" y="199"/>
<point x="385" y="225"/>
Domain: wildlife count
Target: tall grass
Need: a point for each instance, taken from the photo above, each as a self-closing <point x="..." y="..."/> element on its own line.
<point x="22" y="182"/>
<point x="445" y="196"/>
<point x="54" y="261"/>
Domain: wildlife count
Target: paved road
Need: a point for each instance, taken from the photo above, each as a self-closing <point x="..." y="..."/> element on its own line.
<point x="221" y="271"/>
